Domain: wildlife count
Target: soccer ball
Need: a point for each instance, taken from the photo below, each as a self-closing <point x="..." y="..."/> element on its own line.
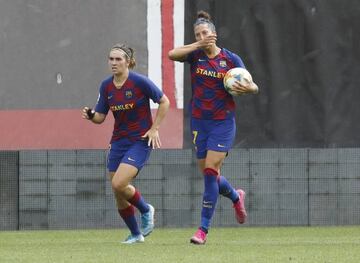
<point x="234" y="74"/>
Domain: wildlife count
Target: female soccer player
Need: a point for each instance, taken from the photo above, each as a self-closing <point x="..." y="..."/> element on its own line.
<point x="127" y="95"/>
<point x="212" y="116"/>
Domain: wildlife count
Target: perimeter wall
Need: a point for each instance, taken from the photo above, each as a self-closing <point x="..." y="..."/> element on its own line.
<point x="285" y="187"/>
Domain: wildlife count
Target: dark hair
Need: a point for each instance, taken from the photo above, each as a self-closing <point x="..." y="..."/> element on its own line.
<point x="204" y="18"/>
<point x="129" y="52"/>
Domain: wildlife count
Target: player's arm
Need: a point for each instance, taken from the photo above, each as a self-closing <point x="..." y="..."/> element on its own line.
<point x="164" y="105"/>
<point x="250" y="87"/>
<point x="153" y="133"/>
<point x="90" y="114"/>
<point x="180" y="53"/>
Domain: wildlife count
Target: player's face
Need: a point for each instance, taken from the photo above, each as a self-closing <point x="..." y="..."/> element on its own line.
<point x="118" y="62"/>
<point x="202" y="31"/>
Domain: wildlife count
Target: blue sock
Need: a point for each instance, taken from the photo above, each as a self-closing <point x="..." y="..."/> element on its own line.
<point x="227" y="190"/>
<point x="210" y="197"/>
<point x="128" y="215"/>
<point x="138" y="201"/>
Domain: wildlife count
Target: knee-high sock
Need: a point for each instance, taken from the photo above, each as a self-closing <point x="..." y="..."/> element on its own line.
<point x="210" y="197"/>
<point x="128" y="215"/>
<point x="138" y="201"/>
<point x="227" y="190"/>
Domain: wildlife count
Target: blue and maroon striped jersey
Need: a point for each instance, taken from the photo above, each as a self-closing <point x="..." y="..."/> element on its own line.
<point x="209" y="97"/>
<point x="130" y="105"/>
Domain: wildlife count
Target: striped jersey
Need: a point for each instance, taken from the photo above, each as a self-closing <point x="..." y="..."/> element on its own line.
<point x="130" y="105"/>
<point x="209" y="97"/>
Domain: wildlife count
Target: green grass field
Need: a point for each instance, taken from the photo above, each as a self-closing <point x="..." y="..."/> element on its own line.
<point x="243" y="244"/>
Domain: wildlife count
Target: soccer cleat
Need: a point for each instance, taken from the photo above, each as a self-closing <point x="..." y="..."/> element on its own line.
<point x="131" y="239"/>
<point x="147" y="221"/>
<point x="239" y="206"/>
<point x="199" y="238"/>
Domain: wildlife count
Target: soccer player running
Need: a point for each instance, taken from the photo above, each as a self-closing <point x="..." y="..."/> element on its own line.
<point x="212" y="116"/>
<point x="127" y="94"/>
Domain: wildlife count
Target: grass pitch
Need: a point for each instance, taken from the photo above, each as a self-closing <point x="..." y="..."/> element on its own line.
<point x="249" y="244"/>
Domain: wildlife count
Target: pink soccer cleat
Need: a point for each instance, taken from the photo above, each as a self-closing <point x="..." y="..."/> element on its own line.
<point x="239" y="206"/>
<point x="199" y="238"/>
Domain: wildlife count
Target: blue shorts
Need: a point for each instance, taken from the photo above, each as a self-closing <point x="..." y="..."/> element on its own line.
<point x="135" y="153"/>
<point x="215" y="135"/>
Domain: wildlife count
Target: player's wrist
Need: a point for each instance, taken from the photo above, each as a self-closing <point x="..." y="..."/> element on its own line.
<point x="197" y="45"/>
<point x="254" y="88"/>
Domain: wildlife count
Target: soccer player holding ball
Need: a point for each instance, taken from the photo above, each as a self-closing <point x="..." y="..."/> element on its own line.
<point x="212" y="116"/>
<point x="127" y="94"/>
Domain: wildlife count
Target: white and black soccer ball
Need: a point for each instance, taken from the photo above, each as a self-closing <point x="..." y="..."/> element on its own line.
<point x="240" y="74"/>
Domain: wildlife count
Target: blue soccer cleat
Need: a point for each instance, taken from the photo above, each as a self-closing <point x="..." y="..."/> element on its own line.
<point x="132" y="239"/>
<point x="147" y="221"/>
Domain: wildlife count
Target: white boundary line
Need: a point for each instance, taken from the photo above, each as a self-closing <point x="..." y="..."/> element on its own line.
<point x="154" y="44"/>
<point x="179" y="7"/>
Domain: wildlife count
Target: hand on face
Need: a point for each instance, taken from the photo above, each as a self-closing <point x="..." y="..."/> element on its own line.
<point x="205" y="36"/>
<point x="208" y="41"/>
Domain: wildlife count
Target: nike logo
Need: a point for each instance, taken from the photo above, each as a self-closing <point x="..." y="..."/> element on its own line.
<point x="109" y="97"/>
<point x="221" y="146"/>
<point x="130" y="159"/>
<point x="207" y="204"/>
<point x="201" y="60"/>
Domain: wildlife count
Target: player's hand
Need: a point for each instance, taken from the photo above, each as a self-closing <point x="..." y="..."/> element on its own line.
<point x="84" y="114"/>
<point x="153" y="138"/>
<point x="249" y="87"/>
<point x="208" y="41"/>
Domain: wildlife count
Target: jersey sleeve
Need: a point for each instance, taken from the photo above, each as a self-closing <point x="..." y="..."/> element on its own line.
<point x="190" y="57"/>
<point x="102" y="105"/>
<point x="237" y="61"/>
<point x="151" y="90"/>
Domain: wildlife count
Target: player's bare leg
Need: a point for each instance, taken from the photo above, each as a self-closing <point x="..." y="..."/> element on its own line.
<point x="123" y="192"/>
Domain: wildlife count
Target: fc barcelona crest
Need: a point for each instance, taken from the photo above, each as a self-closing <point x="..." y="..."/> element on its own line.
<point x="128" y="94"/>
<point x="223" y="63"/>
